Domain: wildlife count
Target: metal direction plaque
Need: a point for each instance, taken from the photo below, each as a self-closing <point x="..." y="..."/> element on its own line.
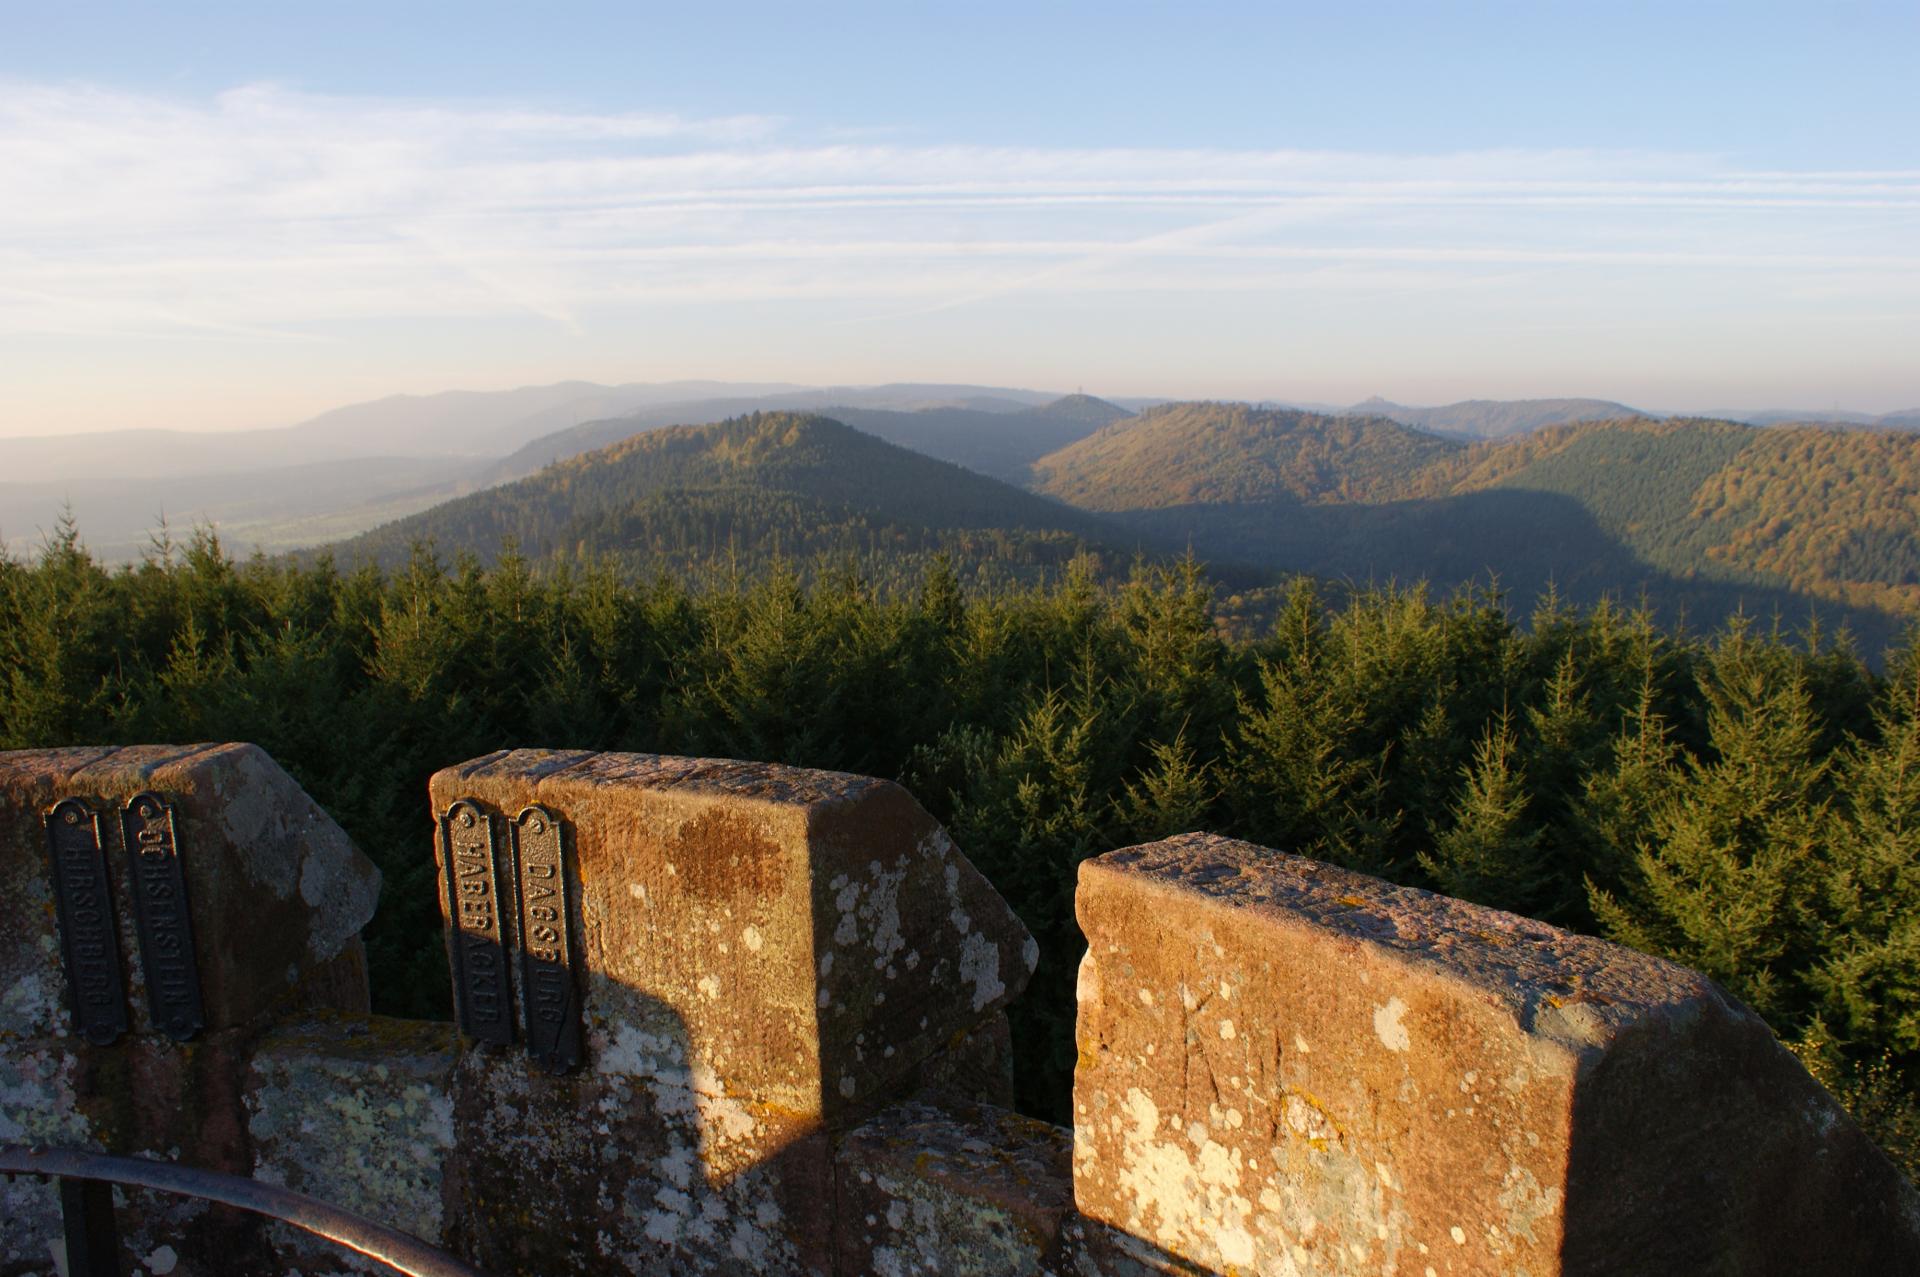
<point x="547" y="998"/>
<point x="88" y="940"/>
<point x="483" y="996"/>
<point x="161" y="919"/>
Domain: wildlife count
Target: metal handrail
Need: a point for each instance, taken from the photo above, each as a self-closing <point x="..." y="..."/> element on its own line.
<point x="78" y="1170"/>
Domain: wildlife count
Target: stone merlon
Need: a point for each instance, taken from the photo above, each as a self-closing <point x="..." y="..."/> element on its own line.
<point x="1287" y="1068"/>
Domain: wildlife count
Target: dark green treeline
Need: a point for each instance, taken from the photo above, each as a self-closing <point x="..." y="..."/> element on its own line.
<point x="1746" y="804"/>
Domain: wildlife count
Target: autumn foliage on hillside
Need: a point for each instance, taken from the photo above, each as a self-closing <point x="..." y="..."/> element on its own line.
<point x="1829" y="511"/>
<point x="1209" y="454"/>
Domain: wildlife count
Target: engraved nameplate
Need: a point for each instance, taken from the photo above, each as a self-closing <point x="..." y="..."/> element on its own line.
<point x="547" y="996"/>
<point x="161" y="920"/>
<point x="483" y="995"/>
<point x="88" y="940"/>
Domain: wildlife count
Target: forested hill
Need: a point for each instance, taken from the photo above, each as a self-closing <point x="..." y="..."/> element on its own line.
<point x="741" y="492"/>
<point x="1834" y="513"/>
<point x="1704" y="516"/>
<point x="1227" y="453"/>
<point x="1002" y="441"/>
<point x="1083" y="408"/>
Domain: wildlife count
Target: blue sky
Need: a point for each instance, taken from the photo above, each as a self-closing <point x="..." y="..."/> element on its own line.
<point x="215" y="216"/>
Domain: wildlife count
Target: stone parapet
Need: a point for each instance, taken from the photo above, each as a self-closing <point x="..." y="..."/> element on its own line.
<point x="357" y="1111"/>
<point x="967" y="1191"/>
<point x="200" y="894"/>
<point x="728" y="1018"/>
<point x="817" y="934"/>
<point x="275" y="895"/>
<point x="1286" y="1068"/>
<point x="759" y="957"/>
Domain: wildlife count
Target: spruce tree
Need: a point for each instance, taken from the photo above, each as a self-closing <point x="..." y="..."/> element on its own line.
<point x="1868" y="975"/>
<point x="1174" y="794"/>
<point x="1303" y="775"/>
<point x="1487" y="852"/>
<point x="1723" y="875"/>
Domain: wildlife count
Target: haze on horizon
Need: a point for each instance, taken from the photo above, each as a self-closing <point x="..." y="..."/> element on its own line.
<point x="242" y="217"/>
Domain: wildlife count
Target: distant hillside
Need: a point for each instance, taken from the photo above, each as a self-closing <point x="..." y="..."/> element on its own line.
<point x="1083" y="408"/>
<point x="451" y="424"/>
<point x="1495" y="418"/>
<point x="411" y="451"/>
<point x="691" y="498"/>
<point x="1835" y="512"/>
<point x="1703" y="516"/>
<point x="479" y="423"/>
<point x="1637" y="476"/>
<point x="1905" y="419"/>
<point x="1220" y="453"/>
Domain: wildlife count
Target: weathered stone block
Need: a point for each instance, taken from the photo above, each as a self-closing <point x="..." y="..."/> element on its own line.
<point x="145" y="1096"/>
<point x="37" y="1106"/>
<point x="642" y="1162"/>
<point x="975" y="1068"/>
<point x="276" y="893"/>
<point x="1089" y="1248"/>
<point x="1289" y="1068"/>
<point x="358" y="1112"/>
<point x="275" y="896"/>
<point x="818" y="934"/>
<point x="973" y="1192"/>
<point x="761" y="955"/>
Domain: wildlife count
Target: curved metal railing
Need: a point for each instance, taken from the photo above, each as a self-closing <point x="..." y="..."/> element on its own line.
<point x="86" y="1203"/>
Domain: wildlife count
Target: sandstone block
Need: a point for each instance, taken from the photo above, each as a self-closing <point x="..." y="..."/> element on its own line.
<point x="1288" y="1068"/>
<point x="972" y="1192"/>
<point x="758" y="956"/>
<point x="276" y="894"/>
<point x="37" y="1106"/>
<point x="203" y="891"/>
<point x="818" y="934"/>
<point x="145" y="1096"/>
<point x="358" y="1112"/>
<point x="1089" y="1248"/>
<point x="641" y="1162"/>
<point x="975" y="1068"/>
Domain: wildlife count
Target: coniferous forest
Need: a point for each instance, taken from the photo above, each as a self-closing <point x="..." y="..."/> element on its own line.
<point x="1745" y="801"/>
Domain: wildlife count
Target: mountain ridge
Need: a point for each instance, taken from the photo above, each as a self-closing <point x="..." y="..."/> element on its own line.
<point x="682" y="498"/>
<point x="995" y="442"/>
<point x="1494" y="418"/>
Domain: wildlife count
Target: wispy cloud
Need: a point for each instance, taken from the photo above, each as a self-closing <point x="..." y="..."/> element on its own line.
<point x="263" y="214"/>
